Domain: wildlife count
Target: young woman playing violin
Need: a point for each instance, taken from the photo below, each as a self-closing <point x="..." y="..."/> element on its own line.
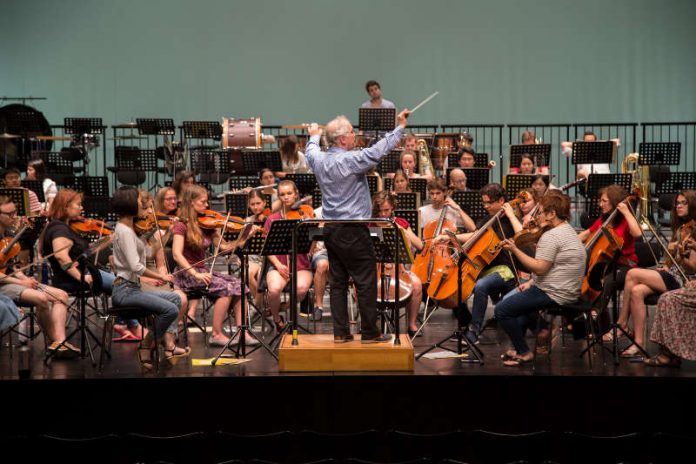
<point x="189" y="244"/>
<point x="50" y="302"/>
<point x="525" y="207"/>
<point x="278" y="272"/>
<point x="257" y="206"/>
<point x="624" y="225"/>
<point x="129" y="262"/>
<point x="643" y="282"/>
<point x="383" y="205"/>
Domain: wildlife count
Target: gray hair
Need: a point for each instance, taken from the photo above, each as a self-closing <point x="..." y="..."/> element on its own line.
<point x="336" y="128"/>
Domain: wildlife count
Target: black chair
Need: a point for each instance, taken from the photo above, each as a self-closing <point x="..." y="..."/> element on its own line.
<point x="143" y="315"/>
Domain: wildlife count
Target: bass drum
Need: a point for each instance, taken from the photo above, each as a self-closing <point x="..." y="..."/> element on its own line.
<point x="241" y="133"/>
<point x="26" y="121"/>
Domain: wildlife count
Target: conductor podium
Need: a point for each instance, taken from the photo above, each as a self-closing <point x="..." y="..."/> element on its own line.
<point x="318" y="352"/>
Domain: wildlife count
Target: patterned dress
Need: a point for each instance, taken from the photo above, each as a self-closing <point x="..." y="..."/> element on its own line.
<point x="675" y="322"/>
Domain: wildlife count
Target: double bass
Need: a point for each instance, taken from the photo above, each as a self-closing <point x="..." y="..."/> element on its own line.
<point x="433" y="258"/>
<point x="480" y="250"/>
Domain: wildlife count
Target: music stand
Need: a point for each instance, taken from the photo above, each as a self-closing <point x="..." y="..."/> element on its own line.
<point x="236" y="204"/>
<point x="515" y="183"/>
<point x="202" y="130"/>
<point x="372" y="184"/>
<point x="211" y="166"/>
<point x="676" y="182"/>
<point x="253" y="246"/>
<point x="412" y="216"/>
<point x="306" y="183"/>
<point x="470" y="202"/>
<point x="317" y="198"/>
<point x="98" y="207"/>
<point x="595" y="182"/>
<point x="420" y="185"/>
<point x="476" y="178"/>
<point x="279" y="241"/>
<point x="391" y="248"/>
<point x="659" y="153"/>
<point x="481" y="160"/>
<point x="255" y="160"/>
<point x="155" y="126"/>
<point x="391" y="162"/>
<point x="540" y="153"/>
<point x="35" y="186"/>
<point x="593" y="152"/>
<point x="20" y="197"/>
<point x="408" y="200"/>
<point x="93" y="186"/>
<point x="376" y="119"/>
<point x="81" y="126"/>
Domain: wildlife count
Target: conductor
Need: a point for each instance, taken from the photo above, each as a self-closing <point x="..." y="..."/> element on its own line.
<point x="340" y="173"/>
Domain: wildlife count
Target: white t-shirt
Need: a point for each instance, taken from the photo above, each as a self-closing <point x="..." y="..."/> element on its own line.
<point x="562" y="247"/>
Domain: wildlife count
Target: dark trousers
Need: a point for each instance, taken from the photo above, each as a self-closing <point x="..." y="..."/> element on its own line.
<point x="351" y="254"/>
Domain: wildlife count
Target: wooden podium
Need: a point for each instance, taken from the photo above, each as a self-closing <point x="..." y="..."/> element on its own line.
<point x="319" y="353"/>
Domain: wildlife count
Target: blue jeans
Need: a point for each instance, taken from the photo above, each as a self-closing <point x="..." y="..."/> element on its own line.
<point x="485" y="287"/>
<point x="165" y="305"/>
<point x="107" y="286"/>
<point x="518" y="312"/>
<point x="9" y="315"/>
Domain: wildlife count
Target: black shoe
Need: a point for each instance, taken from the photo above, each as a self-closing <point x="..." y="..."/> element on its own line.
<point x="471" y="337"/>
<point x="379" y="339"/>
<point x="412" y="333"/>
<point x="317" y="314"/>
<point x="343" y="338"/>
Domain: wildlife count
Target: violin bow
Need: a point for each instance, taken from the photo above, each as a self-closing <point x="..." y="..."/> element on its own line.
<point x="159" y="238"/>
<point x="217" y="248"/>
<point x="34" y="263"/>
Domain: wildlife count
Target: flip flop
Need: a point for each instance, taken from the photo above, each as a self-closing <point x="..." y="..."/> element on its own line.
<point x="517" y="361"/>
<point x="656" y="361"/>
<point x="126" y="337"/>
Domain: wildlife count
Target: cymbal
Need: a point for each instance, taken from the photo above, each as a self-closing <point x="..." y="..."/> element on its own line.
<point x="128" y="137"/>
<point x="52" y="137"/>
<point x="5" y="135"/>
<point x="125" y="125"/>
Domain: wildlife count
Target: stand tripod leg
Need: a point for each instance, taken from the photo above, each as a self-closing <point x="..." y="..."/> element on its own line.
<point x="462" y="346"/>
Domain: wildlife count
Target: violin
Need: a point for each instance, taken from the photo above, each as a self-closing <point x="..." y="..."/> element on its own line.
<point x="87" y="226"/>
<point x="302" y="212"/>
<point x="213" y="220"/>
<point x="144" y="225"/>
<point x="10" y="248"/>
<point x="687" y="231"/>
<point x="531" y="233"/>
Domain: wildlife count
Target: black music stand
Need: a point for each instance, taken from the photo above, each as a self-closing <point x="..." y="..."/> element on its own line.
<point x="155" y="126"/>
<point x="476" y="178"/>
<point x="676" y="182"/>
<point x="463" y="344"/>
<point x="593" y="152"/>
<point x="595" y="182"/>
<point x="306" y="183"/>
<point x="470" y="202"/>
<point x="237" y="182"/>
<point x="515" y="183"/>
<point x="540" y="153"/>
<point x="252" y="246"/>
<point x="98" y="207"/>
<point x="35" y="186"/>
<point x="202" y="130"/>
<point x="481" y="160"/>
<point x="376" y="119"/>
<point x="420" y="185"/>
<point x="391" y="162"/>
<point x="236" y="204"/>
<point x="391" y="247"/>
<point x="408" y="200"/>
<point x="211" y="166"/>
<point x="412" y="216"/>
<point x="659" y="153"/>
<point x="372" y="184"/>
<point x="281" y="240"/>
<point x="80" y="127"/>
<point x="316" y="197"/>
<point x="255" y="160"/>
<point x="94" y="186"/>
<point x="20" y="198"/>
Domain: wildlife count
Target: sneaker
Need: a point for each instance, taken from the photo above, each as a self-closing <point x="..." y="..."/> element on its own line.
<point x="343" y="338"/>
<point x="317" y="314"/>
<point x="379" y="339"/>
<point x="212" y="341"/>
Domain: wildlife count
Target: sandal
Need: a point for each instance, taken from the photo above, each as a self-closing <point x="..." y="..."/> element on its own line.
<point x="517" y="361"/>
<point x="147" y="347"/>
<point x="631" y="352"/>
<point x="509" y="354"/>
<point x="280" y="324"/>
<point x="172" y="356"/>
<point x="663" y="360"/>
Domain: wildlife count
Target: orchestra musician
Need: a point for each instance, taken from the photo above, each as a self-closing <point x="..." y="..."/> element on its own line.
<point x="499" y="276"/>
<point x="129" y="262"/>
<point x="528" y="138"/>
<point x="526" y="208"/>
<point x="540" y="184"/>
<point x="466" y="140"/>
<point x="410" y="143"/>
<point x="640" y="283"/>
<point x="292" y="159"/>
<point x="458" y="180"/>
<point x="190" y="241"/>
<point x="182" y="180"/>
<point x="27" y="241"/>
<point x="36" y="170"/>
<point x="400" y="182"/>
<point x="439" y="197"/>
<point x="278" y="273"/>
<point x="558" y="267"/>
<point x="340" y="173"/>
<point x="467" y="158"/>
<point x="374" y="90"/>
<point x="256" y="202"/>
<point x="624" y="225"/>
<point x="407" y="162"/>
<point x="383" y="206"/>
<point x="320" y="269"/>
<point x="50" y="302"/>
<point x="166" y="201"/>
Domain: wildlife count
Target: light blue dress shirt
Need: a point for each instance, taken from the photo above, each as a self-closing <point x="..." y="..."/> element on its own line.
<point x="385" y="104"/>
<point x="341" y="175"/>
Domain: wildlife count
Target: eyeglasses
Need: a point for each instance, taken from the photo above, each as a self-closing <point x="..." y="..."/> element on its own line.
<point x="682" y="203"/>
<point x="10" y="213"/>
<point x="484" y="202"/>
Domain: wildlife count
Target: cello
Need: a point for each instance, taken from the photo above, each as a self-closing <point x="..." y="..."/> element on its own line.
<point x="601" y="248"/>
<point x="480" y="250"/>
<point x="430" y="258"/>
